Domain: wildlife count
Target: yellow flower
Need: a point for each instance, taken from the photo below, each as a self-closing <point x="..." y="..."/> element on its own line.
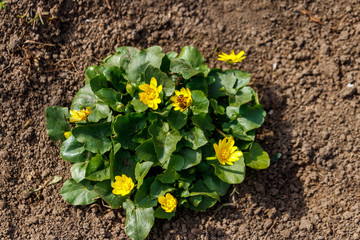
<point x="122" y="185"/>
<point x="226" y="152"/>
<point x="168" y="203"/>
<point x="182" y="100"/>
<point x="150" y="96"/>
<point x="67" y="134"/>
<point x="78" y="116"/>
<point x="232" y="58"/>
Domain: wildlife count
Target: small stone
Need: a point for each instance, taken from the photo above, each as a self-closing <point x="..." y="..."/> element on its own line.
<point x="285" y="233"/>
<point x="195" y="230"/>
<point x="348" y="92"/>
<point x="348" y="215"/>
<point x="306" y="225"/>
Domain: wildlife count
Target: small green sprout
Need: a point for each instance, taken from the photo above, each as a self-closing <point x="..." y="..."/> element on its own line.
<point x="38" y="17"/>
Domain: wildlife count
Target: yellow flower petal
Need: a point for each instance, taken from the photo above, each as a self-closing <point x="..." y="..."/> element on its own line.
<point x="232" y="58"/>
<point x="226" y="152"/>
<point x="150" y="96"/>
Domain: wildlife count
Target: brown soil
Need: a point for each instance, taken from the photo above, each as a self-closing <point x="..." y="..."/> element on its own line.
<point x="305" y="66"/>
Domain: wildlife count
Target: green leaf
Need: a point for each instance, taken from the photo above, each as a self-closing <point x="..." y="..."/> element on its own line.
<point x="98" y="83"/>
<point x="168" y="85"/>
<point x="203" y="121"/>
<point x="93" y="71"/>
<point x="218" y="109"/>
<point x="235" y="129"/>
<point x="94" y="137"/>
<point x="251" y="117"/>
<point x="98" y="169"/>
<point x="158" y="188"/>
<point x="191" y="157"/>
<point x="146" y="151"/>
<point x="138" y="105"/>
<point x="87" y="98"/>
<point x="78" y="171"/>
<point x="114" y="165"/>
<point x="160" y="213"/>
<point x="164" y="140"/>
<point x="74" y="151"/>
<point x="195" y="138"/>
<point x="168" y="176"/>
<point x="192" y="56"/>
<point x="244" y="95"/>
<point x="57" y="123"/>
<point x="104" y="190"/>
<point x="111" y="97"/>
<point x="138" y="64"/>
<point x="198" y="83"/>
<point x="177" y="119"/>
<point x="139" y="221"/>
<point x="200" y="102"/>
<point x="126" y="127"/>
<point x="141" y="170"/>
<point x="81" y="193"/>
<point x="200" y="189"/>
<point x="233" y="174"/>
<point x="215" y="184"/>
<point x="227" y="82"/>
<point x="142" y="196"/>
<point x="122" y="162"/>
<point x="185" y="69"/>
<point x="232" y="112"/>
<point x="195" y="200"/>
<point x="142" y="136"/>
<point x="121" y="58"/>
<point x="257" y="158"/>
<point x="205" y="203"/>
<point x="115" y="75"/>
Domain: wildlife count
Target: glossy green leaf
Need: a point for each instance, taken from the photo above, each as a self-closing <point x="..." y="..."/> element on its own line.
<point x="104" y="190"/>
<point x="198" y="83"/>
<point x="177" y="119"/>
<point x="162" y="79"/>
<point x="158" y="188"/>
<point x="232" y="174"/>
<point x="200" y="189"/>
<point x="139" y="221"/>
<point x="251" y="117"/>
<point x="87" y="98"/>
<point x="141" y="170"/>
<point x="164" y="140"/>
<point x="192" y="56"/>
<point x="142" y="196"/>
<point x="244" y="95"/>
<point x="218" y="109"/>
<point x="126" y="127"/>
<point x="257" y="158"/>
<point x="142" y="136"/>
<point x="168" y="176"/>
<point x="185" y="69"/>
<point x="191" y="157"/>
<point x="213" y="183"/>
<point x="195" y="138"/>
<point x="81" y="193"/>
<point x="160" y="213"/>
<point x="78" y="171"/>
<point x="98" y="169"/>
<point x="206" y="202"/>
<point x="95" y="137"/>
<point x="121" y="58"/>
<point x="111" y="97"/>
<point x="57" y="123"/>
<point x="74" y="151"/>
<point x="146" y="151"/>
<point x="138" y="105"/>
<point x="93" y="71"/>
<point x="138" y="64"/>
<point x="200" y="102"/>
<point x="115" y="75"/>
<point x="203" y="121"/>
<point x="122" y="162"/>
<point x="98" y="83"/>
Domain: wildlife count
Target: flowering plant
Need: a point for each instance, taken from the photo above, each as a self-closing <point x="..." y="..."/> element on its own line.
<point x="152" y="132"/>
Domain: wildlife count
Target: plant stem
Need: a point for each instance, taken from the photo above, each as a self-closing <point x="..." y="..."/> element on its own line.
<point x="221" y="132"/>
<point x="211" y="158"/>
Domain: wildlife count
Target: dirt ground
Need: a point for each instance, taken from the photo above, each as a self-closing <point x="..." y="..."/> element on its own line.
<point x="304" y="57"/>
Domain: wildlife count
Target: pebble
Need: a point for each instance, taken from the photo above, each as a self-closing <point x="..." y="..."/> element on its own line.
<point x="306" y="225"/>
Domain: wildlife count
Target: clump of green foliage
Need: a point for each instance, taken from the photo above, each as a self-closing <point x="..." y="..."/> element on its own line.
<point x="160" y="150"/>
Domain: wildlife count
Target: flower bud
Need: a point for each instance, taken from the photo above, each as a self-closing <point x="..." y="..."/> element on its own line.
<point x="130" y="89"/>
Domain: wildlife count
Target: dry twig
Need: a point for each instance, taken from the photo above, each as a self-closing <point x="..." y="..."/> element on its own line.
<point x="311" y="17"/>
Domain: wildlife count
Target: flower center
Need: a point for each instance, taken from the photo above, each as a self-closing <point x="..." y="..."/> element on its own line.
<point x="183" y="101"/>
<point x="151" y="94"/>
<point x="224" y="154"/>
